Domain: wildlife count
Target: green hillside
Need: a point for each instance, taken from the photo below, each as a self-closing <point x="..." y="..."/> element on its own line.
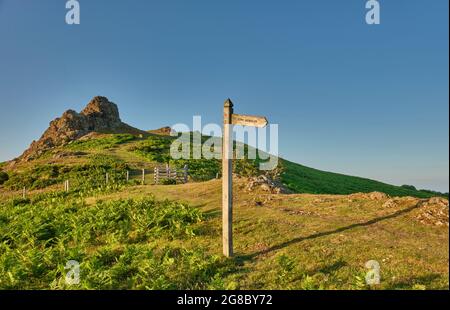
<point x="301" y="179"/>
<point x="128" y="235"/>
<point x="115" y="153"/>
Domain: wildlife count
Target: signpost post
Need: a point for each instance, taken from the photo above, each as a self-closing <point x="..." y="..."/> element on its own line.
<point x="230" y="119"/>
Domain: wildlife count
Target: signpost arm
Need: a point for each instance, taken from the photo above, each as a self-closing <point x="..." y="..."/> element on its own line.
<point x="227" y="179"/>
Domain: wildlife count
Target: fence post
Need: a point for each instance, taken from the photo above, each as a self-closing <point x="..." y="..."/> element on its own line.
<point x="185" y="173"/>
<point x="143" y="176"/>
<point x="107" y="178"/>
<point x="156" y="176"/>
<point x="24" y="192"/>
<point x="128" y="175"/>
<point x="67" y="186"/>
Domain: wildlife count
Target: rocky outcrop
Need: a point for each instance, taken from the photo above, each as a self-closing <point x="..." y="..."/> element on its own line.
<point x="164" y="131"/>
<point x="100" y="115"/>
<point x="433" y="211"/>
<point x="370" y="196"/>
<point x="266" y="184"/>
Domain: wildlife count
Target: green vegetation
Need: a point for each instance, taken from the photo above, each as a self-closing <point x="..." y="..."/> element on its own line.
<point x="114" y="153"/>
<point x="102" y="143"/>
<point x="409" y="187"/>
<point x="168" y="182"/>
<point x="303" y="179"/>
<point x="132" y="237"/>
<point x="157" y="149"/>
<point x="89" y="175"/>
<point x="122" y="244"/>
<point x="154" y="148"/>
<point x="3" y="177"/>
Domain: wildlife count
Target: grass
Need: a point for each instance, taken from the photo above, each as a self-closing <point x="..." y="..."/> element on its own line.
<point x="121" y="244"/>
<point x="169" y="236"/>
<point x="102" y="143"/>
<point x="91" y="174"/>
<point x="157" y="149"/>
<point x="314" y="242"/>
<point x="301" y="179"/>
<point x="125" y="151"/>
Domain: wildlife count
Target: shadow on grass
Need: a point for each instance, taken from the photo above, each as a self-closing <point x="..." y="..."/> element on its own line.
<point x="327" y="233"/>
<point x="210" y="213"/>
<point x="329" y="269"/>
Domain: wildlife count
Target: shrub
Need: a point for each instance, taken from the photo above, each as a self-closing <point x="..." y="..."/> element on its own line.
<point x="3" y="177"/>
<point x="410" y="187"/>
<point x="168" y="182"/>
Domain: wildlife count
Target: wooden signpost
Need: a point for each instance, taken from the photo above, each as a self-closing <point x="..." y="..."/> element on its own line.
<point x="230" y="119"/>
<point x="248" y="120"/>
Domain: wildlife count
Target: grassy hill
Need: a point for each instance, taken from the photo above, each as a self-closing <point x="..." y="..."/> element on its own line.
<point x="169" y="237"/>
<point x="303" y="179"/>
<point x="132" y="236"/>
<point x="119" y="152"/>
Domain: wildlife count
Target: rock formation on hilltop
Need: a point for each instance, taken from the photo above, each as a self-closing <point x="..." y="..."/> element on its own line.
<point x="100" y="115"/>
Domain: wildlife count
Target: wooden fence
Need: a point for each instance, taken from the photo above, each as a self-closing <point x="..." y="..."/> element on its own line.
<point x="167" y="173"/>
<point x="157" y="173"/>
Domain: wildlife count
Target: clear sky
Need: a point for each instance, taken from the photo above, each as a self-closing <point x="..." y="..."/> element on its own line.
<point x="363" y="100"/>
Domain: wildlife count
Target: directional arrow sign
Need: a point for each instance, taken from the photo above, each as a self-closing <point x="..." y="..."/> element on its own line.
<point x="248" y="120"/>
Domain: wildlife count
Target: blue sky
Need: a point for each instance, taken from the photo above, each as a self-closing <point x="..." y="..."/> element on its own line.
<point x="363" y="100"/>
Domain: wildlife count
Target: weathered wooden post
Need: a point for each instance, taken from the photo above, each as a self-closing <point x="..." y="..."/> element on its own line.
<point x="230" y="119"/>
<point x="107" y="178"/>
<point x="227" y="179"/>
<point x="155" y="175"/>
<point x="185" y="170"/>
<point x="143" y="176"/>
<point x="66" y="186"/>
<point x="24" y="193"/>
<point x="128" y="175"/>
